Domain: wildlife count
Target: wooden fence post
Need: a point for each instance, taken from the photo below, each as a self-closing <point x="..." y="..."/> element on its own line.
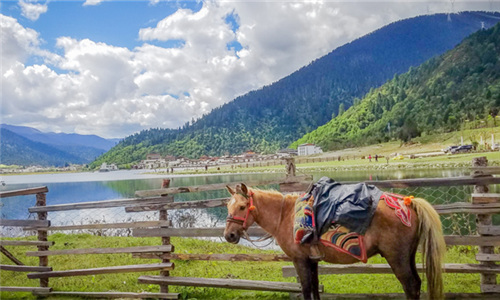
<point x="41" y="200"/>
<point x="165" y="240"/>
<point x="484" y="220"/>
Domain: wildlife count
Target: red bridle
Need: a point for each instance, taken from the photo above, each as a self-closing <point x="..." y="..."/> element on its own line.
<point x="240" y="220"/>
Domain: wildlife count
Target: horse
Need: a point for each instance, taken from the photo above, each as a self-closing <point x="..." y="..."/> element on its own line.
<point x="386" y="235"/>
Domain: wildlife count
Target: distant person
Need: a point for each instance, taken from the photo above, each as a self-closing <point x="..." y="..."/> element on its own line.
<point x="370" y="157"/>
<point x="387" y="158"/>
<point x="166" y="183"/>
<point x="376" y="157"/>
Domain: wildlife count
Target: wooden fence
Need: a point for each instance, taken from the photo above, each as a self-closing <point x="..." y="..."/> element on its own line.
<point x="483" y="204"/>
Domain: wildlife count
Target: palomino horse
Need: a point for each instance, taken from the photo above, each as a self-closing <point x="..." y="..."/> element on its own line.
<point x="386" y="236"/>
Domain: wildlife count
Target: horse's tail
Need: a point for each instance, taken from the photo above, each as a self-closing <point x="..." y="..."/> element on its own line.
<point x="433" y="246"/>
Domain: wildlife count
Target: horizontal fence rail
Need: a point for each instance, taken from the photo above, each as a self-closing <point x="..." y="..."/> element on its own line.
<point x="434" y="182"/>
<point x="99" y="204"/>
<point x="181" y="205"/>
<point x="191" y="232"/>
<point x="105" y="270"/>
<point x="225" y="283"/>
<point x="138" y="224"/>
<point x="213" y="187"/>
<point x="23" y="268"/>
<point x="289" y="271"/>
<point x="110" y="295"/>
<point x="214" y="257"/>
<point x="30" y="191"/>
<point x="23" y="223"/>
<point x="25" y="243"/>
<point x="167" y="248"/>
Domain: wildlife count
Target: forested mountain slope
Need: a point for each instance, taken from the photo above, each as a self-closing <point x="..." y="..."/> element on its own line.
<point x="25" y="146"/>
<point x="440" y="95"/>
<point x="274" y="116"/>
<point x="18" y="150"/>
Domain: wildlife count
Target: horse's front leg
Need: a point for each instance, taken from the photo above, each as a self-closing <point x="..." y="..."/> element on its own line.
<point x="308" y="276"/>
<point x="315" y="278"/>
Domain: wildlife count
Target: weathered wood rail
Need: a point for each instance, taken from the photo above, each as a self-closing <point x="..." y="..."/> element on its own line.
<point x="224" y="283"/>
<point x="481" y="203"/>
<point x="42" y="244"/>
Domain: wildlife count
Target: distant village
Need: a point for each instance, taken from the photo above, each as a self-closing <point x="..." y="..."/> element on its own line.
<point x="156" y="161"/>
<point x="40" y="169"/>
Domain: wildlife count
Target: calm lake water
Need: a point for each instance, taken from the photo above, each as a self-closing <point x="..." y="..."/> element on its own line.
<point x="83" y="187"/>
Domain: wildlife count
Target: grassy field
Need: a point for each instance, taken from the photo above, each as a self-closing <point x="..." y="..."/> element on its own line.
<point x="271" y="271"/>
<point x="358" y="163"/>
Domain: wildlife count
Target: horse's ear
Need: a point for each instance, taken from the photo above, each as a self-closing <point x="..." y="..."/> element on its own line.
<point x="244" y="189"/>
<point x="230" y="190"/>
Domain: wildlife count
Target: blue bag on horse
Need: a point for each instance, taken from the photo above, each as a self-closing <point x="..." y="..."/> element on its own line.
<point x="349" y="205"/>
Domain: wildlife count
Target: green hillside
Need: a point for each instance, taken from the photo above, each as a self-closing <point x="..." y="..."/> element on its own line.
<point x="456" y="90"/>
<point x="274" y="116"/>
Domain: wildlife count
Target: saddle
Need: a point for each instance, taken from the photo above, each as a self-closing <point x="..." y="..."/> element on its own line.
<point x="337" y="215"/>
<point x="337" y="237"/>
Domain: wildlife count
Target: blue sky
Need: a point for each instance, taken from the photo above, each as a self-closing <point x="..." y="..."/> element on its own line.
<point x="115" y="23"/>
<point x="113" y="68"/>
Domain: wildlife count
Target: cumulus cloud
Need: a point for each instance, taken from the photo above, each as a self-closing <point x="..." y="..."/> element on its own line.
<point x="92" y="2"/>
<point x="184" y="65"/>
<point x="32" y="11"/>
<point x="17" y="42"/>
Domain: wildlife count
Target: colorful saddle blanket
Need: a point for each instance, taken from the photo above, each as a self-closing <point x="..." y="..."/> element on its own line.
<point x="337" y="237"/>
<point x="343" y="239"/>
<point x="400" y="205"/>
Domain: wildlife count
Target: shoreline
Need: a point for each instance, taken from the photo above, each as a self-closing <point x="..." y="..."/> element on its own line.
<point x="457" y="162"/>
<point x="381" y="166"/>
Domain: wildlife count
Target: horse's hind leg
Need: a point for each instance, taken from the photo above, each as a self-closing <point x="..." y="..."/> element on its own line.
<point x="308" y="276"/>
<point x="404" y="267"/>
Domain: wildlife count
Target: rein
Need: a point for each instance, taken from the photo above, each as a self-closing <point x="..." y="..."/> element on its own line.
<point x="243" y="221"/>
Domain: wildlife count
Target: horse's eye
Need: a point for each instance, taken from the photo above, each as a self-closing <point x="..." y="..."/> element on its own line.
<point x="242" y="207"/>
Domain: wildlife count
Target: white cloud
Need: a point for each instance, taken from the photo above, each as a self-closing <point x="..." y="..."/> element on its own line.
<point x="92" y="2"/>
<point x="32" y="11"/>
<point x="97" y="88"/>
<point x="17" y="42"/>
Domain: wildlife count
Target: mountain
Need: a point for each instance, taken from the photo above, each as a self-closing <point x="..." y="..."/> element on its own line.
<point x="26" y="146"/>
<point x="459" y="89"/>
<point x="274" y="116"/>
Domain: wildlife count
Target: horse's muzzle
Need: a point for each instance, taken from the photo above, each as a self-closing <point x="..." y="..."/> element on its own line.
<point x="232" y="237"/>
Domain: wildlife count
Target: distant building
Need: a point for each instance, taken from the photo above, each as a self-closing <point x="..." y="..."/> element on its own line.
<point x="106" y="168"/>
<point x="169" y="157"/>
<point x="308" y="149"/>
<point x="153" y="156"/>
<point x="287" y="152"/>
<point x="249" y="153"/>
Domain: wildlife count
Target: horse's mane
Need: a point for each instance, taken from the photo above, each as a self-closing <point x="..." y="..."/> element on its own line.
<point x="276" y="193"/>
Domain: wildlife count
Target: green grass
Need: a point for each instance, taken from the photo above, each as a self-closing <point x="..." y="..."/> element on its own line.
<point x="270" y="271"/>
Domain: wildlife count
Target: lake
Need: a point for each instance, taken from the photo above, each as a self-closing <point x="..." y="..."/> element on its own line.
<point x="84" y="187"/>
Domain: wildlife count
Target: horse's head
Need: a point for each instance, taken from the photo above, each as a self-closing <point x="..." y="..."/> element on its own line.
<point x="239" y="210"/>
